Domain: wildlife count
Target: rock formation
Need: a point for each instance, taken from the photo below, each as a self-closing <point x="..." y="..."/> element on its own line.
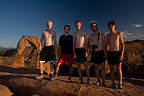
<point x="22" y="44"/>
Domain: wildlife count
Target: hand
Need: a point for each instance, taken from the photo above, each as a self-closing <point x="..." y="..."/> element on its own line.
<point x="121" y="57"/>
<point x="86" y="54"/>
<point x="106" y="61"/>
<point x="75" y="55"/>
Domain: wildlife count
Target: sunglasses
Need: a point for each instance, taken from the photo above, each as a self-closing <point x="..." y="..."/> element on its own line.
<point x="78" y="24"/>
<point x="94" y="26"/>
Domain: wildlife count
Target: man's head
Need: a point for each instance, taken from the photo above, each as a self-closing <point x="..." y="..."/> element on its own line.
<point x="111" y="25"/>
<point x="66" y="29"/>
<point x="49" y="24"/>
<point x="94" y="26"/>
<point x="78" y="24"/>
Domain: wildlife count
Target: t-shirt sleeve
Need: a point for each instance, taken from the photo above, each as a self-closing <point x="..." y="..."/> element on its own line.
<point x="60" y="41"/>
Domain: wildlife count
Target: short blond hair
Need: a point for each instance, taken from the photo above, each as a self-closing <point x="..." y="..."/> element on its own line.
<point x="49" y="21"/>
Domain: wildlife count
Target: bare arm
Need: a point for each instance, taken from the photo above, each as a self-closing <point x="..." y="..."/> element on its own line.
<point x="85" y="37"/>
<point x="89" y="45"/>
<point x="41" y="40"/>
<point x="59" y="50"/>
<point x="107" y="43"/>
<point x="59" y="47"/>
<point x="104" y="46"/>
<point x="86" y="43"/>
<point x="55" y="42"/>
<point x="74" y="45"/>
<point x="122" y="50"/>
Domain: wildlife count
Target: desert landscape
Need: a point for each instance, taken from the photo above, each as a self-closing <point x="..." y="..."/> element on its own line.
<point x="18" y="68"/>
<point x="26" y="24"/>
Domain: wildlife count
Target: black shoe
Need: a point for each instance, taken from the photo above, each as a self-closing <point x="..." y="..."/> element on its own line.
<point x="53" y="78"/>
<point x="69" y="79"/>
<point x="113" y="85"/>
<point x="88" y="81"/>
<point x="51" y="75"/>
<point x="119" y="86"/>
<point x="80" y="80"/>
<point x="104" y="84"/>
<point x="98" y="83"/>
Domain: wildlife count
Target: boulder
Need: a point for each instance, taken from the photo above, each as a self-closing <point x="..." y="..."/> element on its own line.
<point x="4" y="91"/>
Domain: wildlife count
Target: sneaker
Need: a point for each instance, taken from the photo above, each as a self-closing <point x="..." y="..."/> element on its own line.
<point x="39" y="76"/>
<point x="80" y="80"/>
<point x="88" y="81"/>
<point x="104" y="84"/>
<point x="98" y="83"/>
<point x="69" y="79"/>
<point x="119" y="86"/>
<point x="53" y="78"/>
<point x="113" y="85"/>
<point x="51" y="75"/>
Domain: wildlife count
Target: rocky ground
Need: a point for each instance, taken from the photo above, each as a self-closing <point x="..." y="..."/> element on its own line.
<point x="20" y="80"/>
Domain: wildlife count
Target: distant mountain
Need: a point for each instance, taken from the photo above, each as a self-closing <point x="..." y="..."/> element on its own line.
<point x="7" y="47"/>
<point x="137" y="41"/>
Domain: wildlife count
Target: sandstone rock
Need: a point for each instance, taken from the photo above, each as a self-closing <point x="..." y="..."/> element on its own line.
<point x="24" y="41"/>
<point x="4" y="91"/>
<point x="28" y="86"/>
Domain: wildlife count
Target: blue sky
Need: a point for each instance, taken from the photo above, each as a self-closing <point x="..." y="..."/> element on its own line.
<point x="28" y="17"/>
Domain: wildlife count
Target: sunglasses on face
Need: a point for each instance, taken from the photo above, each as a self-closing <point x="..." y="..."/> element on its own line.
<point x="78" y="24"/>
<point x="94" y="26"/>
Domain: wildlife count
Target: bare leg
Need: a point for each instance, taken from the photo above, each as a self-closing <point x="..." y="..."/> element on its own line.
<point x="112" y="73"/>
<point x="70" y="72"/>
<point x="51" y="68"/>
<point x="41" y="67"/>
<point x="103" y="71"/>
<point x="97" y="71"/>
<point x="79" y="70"/>
<point x="70" y="69"/>
<point x="119" y="71"/>
<point x="57" y="68"/>
<point x="41" y="71"/>
<point x="87" y="70"/>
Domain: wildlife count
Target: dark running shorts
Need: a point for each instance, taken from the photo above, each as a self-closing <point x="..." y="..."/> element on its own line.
<point x="114" y="57"/>
<point x="80" y="54"/>
<point x="47" y="53"/>
<point x="97" y="57"/>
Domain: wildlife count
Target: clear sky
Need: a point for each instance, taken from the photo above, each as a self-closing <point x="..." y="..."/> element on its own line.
<point x="28" y="17"/>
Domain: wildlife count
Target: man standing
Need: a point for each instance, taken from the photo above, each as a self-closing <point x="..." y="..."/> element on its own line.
<point x="97" y="44"/>
<point x="80" y="50"/>
<point x="65" y="51"/>
<point x="48" y="51"/>
<point x="115" y="54"/>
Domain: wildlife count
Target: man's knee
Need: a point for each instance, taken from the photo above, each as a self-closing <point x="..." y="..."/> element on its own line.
<point x="41" y="63"/>
<point x="103" y="65"/>
<point x="96" y="66"/>
<point x="58" y="64"/>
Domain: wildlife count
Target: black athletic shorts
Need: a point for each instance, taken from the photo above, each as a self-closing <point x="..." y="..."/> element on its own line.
<point x="47" y="53"/>
<point x="114" y="57"/>
<point x="97" y="57"/>
<point x="80" y="54"/>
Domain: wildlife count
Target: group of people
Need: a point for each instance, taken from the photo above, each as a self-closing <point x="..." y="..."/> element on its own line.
<point x="74" y="49"/>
